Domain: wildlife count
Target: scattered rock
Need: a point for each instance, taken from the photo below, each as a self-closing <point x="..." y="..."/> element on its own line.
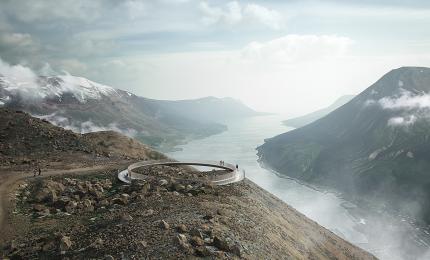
<point x="181" y="228"/>
<point x="143" y="243"/>
<point x="149" y="212"/>
<point x="236" y="249"/>
<point x="39" y="207"/>
<point x="221" y="244"/>
<point x="163" y="182"/>
<point x="163" y="224"/>
<point x="196" y="233"/>
<point x="202" y="251"/>
<point x="71" y="207"/>
<point x="109" y="257"/>
<point x="126" y="217"/>
<point x="65" y="243"/>
<point x="197" y="241"/>
<point x="97" y="244"/>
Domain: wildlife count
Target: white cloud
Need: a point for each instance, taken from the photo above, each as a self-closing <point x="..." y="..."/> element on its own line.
<point x="235" y="13"/>
<point x="266" y="16"/>
<point x="406" y="101"/>
<point x="413" y="107"/>
<point x="50" y="10"/>
<point x="297" y="48"/>
<point x="136" y="8"/>
<point x="86" y="126"/>
<point x="18" y="75"/>
<point x="402" y="121"/>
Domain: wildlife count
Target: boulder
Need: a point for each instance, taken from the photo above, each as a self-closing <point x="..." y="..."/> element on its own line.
<point x="163" y="182"/>
<point x="181" y="228"/>
<point x="197" y="241"/>
<point x="126" y="217"/>
<point x="221" y="244"/>
<point x="97" y="244"/>
<point x="196" y="233"/>
<point x="56" y="186"/>
<point x="164" y="225"/>
<point x="65" y="243"/>
<point x="202" y="251"/>
<point x="71" y="207"/>
<point x="39" y="207"/>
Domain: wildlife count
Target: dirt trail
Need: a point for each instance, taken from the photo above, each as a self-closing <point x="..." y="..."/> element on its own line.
<point x="10" y="180"/>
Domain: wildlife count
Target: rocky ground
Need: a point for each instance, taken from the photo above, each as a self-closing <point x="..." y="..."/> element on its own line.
<point x="78" y="209"/>
<point x="96" y="216"/>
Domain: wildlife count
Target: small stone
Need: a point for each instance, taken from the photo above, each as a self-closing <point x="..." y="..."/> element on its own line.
<point x="236" y="249"/>
<point x="71" y="207"/>
<point x="202" y="251"/>
<point x="176" y="193"/>
<point x="97" y="244"/>
<point x="50" y="246"/>
<point x="221" y="244"/>
<point x="183" y="243"/>
<point x="163" y="182"/>
<point x="149" y="212"/>
<point x="65" y="243"/>
<point x="221" y="212"/>
<point x="182" y="228"/>
<point x="39" y="207"/>
<point x="163" y="224"/>
<point x="196" y="233"/>
<point x="197" y="241"/>
<point x="109" y="257"/>
<point x="143" y="243"/>
<point x="126" y="217"/>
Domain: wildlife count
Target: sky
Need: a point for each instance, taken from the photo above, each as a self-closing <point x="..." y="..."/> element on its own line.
<point x="289" y="57"/>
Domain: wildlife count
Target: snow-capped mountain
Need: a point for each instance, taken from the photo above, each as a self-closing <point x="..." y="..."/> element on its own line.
<point x="82" y="105"/>
<point x="39" y="88"/>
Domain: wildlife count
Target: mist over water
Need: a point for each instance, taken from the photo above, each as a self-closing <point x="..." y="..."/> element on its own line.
<point x="385" y="235"/>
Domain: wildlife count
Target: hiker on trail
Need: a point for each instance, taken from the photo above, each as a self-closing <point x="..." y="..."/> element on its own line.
<point x="34" y="172"/>
<point x="40" y="171"/>
<point x="237" y="167"/>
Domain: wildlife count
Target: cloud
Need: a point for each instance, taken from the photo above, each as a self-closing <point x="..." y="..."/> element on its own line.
<point x="86" y="126"/>
<point x="412" y="107"/>
<point x="406" y="101"/>
<point x="402" y="121"/>
<point x="16" y="39"/>
<point x="298" y="48"/>
<point x="52" y="10"/>
<point x="17" y="73"/>
<point x="234" y="13"/>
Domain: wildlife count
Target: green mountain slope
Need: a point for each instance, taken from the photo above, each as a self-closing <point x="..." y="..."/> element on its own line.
<point x="376" y="147"/>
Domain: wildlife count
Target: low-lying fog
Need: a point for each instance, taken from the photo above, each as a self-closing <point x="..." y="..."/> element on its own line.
<point x="385" y="235"/>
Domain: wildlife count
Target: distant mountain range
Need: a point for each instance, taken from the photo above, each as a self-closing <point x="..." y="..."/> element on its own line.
<point x="375" y="148"/>
<point x="83" y="106"/>
<point x="309" y="118"/>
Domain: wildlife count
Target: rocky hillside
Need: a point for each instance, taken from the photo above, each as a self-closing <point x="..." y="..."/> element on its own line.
<point x="375" y="148"/>
<point x="95" y="217"/>
<point x="311" y="117"/>
<point x="26" y="140"/>
<point x="76" y="212"/>
<point x="84" y="106"/>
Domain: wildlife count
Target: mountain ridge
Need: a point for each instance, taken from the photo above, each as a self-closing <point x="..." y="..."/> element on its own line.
<point x="374" y="147"/>
<point x="84" y="106"/>
<point x="312" y="116"/>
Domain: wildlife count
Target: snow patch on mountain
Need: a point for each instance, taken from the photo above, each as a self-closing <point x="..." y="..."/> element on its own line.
<point x="50" y="87"/>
